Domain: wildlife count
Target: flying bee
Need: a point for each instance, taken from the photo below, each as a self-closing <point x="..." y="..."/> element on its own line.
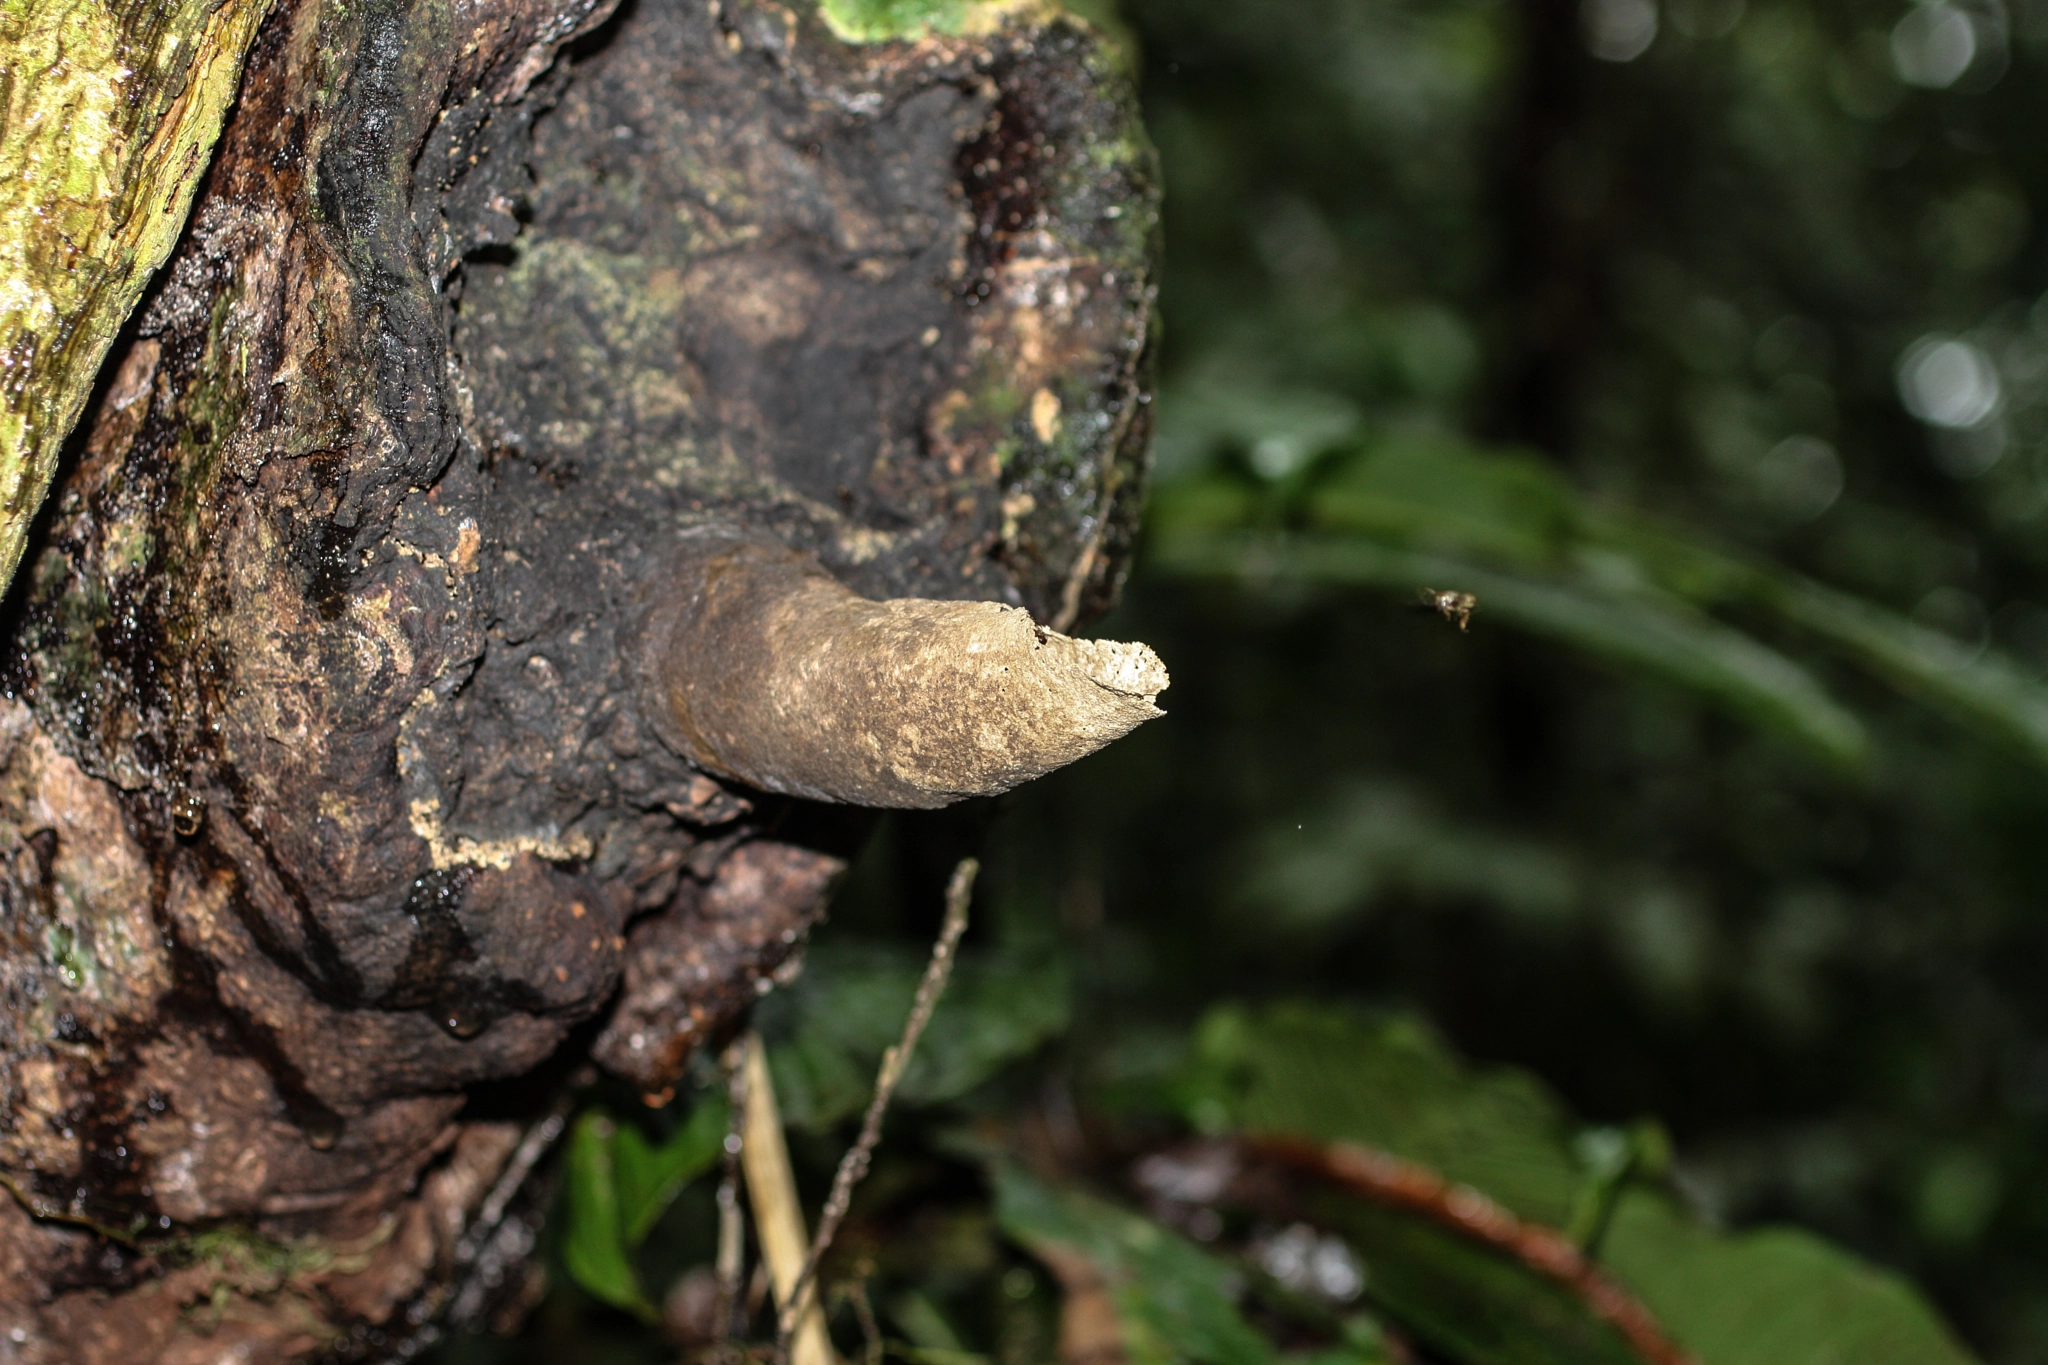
<point x="1452" y="606"/>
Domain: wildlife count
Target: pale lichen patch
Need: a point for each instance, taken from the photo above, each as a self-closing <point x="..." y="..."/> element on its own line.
<point x="462" y="851"/>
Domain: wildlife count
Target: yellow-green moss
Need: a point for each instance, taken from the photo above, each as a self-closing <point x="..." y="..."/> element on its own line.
<point x="876" y="21"/>
<point x="110" y="115"/>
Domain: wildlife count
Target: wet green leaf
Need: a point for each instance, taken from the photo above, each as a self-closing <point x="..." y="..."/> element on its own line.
<point x="595" y="1245"/>
<point x="650" y="1174"/>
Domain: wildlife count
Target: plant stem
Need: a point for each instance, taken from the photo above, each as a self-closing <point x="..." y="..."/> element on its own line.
<point x="778" y="1216"/>
<point x="854" y="1165"/>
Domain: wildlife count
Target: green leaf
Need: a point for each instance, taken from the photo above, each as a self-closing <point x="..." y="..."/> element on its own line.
<point x="924" y="1324"/>
<point x="594" y="1246"/>
<point x="827" y="1032"/>
<point x="1982" y="691"/>
<point x="648" y="1176"/>
<point x="1771" y="1297"/>
<point x="1466" y="1300"/>
<point x="1986" y="693"/>
<point x="1774" y="1297"/>
<point x="1640" y="630"/>
<point x="1174" y="1300"/>
<point x="1623" y="587"/>
<point x="1508" y="507"/>
<point x="1361" y="840"/>
<point x="1388" y="1083"/>
<point x="877" y="21"/>
<point x="1281" y="430"/>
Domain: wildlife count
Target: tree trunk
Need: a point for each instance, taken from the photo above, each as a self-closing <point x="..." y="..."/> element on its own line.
<point x="330" y="789"/>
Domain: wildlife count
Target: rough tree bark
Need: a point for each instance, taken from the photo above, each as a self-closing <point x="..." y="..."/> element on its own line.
<point x="329" y="794"/>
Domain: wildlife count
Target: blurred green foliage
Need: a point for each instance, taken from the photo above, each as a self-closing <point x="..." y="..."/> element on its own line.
<point x="1705" y="342"/>
<point x="619" y="1182"/>
<point x="1780" y="1297"/>
<point x="1176" y="1301"/>
<point x="827" y="1032"/>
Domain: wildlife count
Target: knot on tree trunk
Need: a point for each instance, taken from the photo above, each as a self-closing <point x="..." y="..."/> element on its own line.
<point x="329" y="798"/>
<point x="760" y="666"/>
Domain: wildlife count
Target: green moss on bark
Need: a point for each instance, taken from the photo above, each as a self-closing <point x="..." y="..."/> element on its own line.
<point x="110" y="114"/>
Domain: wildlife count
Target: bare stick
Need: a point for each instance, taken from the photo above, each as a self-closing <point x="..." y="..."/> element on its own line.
<point x="870" y="1330"/>
<point x="1393" y="1180"/>
<point x="534" y="1145"/>
<point x="854" y="1165"/>
<point x="778" y="1216"/>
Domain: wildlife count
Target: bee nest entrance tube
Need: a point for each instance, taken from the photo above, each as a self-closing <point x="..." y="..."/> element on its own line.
<point x="758" y="665"/>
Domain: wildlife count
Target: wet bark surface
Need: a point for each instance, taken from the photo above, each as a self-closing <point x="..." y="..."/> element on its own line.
<point x="325" y="797"/>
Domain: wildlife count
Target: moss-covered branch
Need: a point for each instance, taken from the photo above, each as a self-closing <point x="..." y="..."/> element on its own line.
<point x="108" y="115"/>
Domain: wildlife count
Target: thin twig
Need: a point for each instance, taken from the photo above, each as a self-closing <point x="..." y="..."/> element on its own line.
<point x="489" y="1244"/>
<point x="855" y="1292"/>
<point x="1395" y="1181"/>
<point x="778" y="1213"/>
<point x="533" y="1145"/>
<point x="44" y="1212"/>
<point x="854" y="1165"/>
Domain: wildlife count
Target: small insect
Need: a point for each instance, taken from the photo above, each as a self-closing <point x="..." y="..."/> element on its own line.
<point x="1452" y="606"/>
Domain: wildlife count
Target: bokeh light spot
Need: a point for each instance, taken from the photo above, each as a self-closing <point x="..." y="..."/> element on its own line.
<point x="1948" y="383"/>
<point x="1619" y="30"/>
<point x="1933" y="46"/>
<point x="1800" y="477"/>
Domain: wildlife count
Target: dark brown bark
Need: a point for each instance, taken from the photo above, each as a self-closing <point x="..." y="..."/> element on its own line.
<point x="325" y="795"/>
